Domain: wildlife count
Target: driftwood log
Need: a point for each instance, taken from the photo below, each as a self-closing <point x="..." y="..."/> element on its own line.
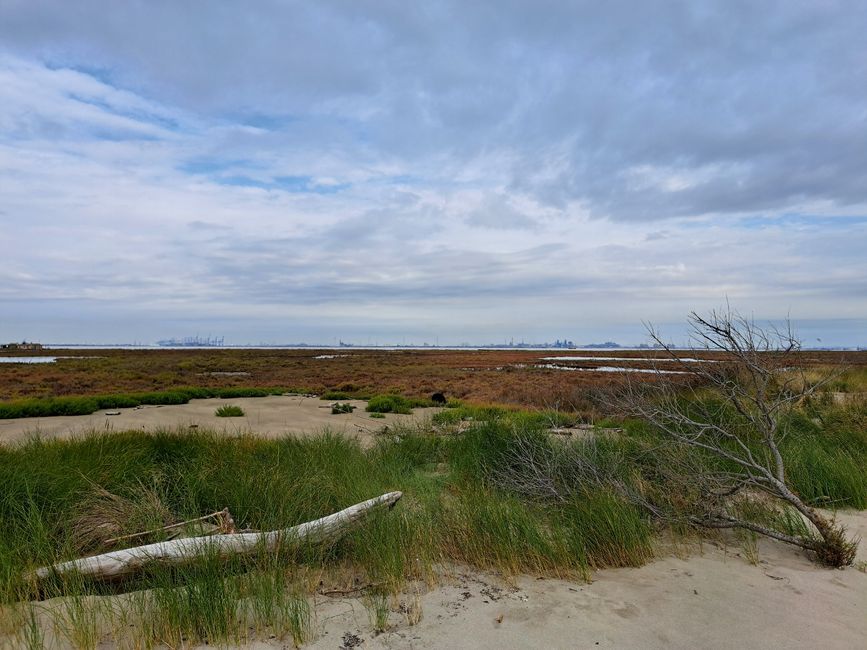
<point x="118" y="564"/>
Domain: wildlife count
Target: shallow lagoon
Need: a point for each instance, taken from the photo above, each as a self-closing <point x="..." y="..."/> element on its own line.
<point x="28" y="359"/>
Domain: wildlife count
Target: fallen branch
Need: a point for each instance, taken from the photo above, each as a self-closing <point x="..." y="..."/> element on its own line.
<point x="225" y="518"/>
<point x="353" y="590"/>
<point x="180" y="551"/>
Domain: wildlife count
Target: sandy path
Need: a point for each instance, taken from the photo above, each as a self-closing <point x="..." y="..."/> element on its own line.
<point x="273" y="416"/>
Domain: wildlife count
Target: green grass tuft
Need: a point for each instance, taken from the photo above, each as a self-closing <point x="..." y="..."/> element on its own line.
<point x="389" y="404"/>
<point x="229" y="411"/>
<point x="393" y="403"/>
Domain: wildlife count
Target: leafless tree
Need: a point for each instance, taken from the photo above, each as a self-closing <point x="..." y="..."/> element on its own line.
<point x="734" y="405"/>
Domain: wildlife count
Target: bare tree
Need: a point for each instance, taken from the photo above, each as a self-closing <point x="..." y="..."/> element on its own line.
<point x="734" y="406"/>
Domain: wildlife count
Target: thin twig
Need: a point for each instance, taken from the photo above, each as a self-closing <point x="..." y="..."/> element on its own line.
<point x="354" y="590"/>
<point x="222" y="514"/>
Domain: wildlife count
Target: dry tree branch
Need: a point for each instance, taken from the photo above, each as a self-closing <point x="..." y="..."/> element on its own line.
<point x="762" y="379"/>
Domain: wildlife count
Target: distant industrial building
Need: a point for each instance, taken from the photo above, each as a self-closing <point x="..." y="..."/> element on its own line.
<point x="24" y="345"/>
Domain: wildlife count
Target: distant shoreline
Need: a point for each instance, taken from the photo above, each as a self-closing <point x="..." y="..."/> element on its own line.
<point x="476" y="348"/>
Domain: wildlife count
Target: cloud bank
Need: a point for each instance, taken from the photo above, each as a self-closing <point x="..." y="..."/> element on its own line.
<point x="467" y="172"/>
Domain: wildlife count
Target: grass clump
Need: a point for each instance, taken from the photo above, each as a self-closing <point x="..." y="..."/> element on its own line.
<point x="377" y="416"/>
<point x="394" y="403"/>
<point x="377" y="604"/>
<point x="340" y="408"/>
<point x="584" y="486"/>
<point x="451" y="511"/>
<point x="229" y="411"/>
<point x="102" y="515"/>
<point x="826" y="456"/>
<point x="389" y="404"/>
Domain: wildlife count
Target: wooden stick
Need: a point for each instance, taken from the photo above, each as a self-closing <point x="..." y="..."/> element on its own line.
<point x="220" y="513"/>
<point x="180" y="551"/>
<point x="346" y="592"/>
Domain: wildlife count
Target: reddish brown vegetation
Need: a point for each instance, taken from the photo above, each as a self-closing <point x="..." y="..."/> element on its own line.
<point x="496" y="376"/>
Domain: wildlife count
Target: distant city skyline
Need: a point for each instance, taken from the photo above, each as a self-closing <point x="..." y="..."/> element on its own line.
<point x="291" y="171"/>
<point x="846" y="335"/>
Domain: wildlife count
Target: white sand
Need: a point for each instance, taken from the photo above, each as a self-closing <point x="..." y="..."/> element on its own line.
<point x="712" y="599"/>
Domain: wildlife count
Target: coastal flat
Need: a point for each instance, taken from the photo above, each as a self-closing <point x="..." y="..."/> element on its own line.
<point x="271" y="417"/>
<point x="516" y="377"/>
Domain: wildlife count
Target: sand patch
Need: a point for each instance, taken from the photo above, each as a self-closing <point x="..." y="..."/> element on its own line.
<point x="271" y="417"/>
<point x="713" y="599"/>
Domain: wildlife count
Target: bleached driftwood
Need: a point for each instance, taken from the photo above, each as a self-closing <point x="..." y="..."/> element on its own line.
<point x="180" y="551"/>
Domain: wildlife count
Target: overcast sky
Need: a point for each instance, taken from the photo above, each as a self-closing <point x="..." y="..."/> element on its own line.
<point x="392" y="171"/>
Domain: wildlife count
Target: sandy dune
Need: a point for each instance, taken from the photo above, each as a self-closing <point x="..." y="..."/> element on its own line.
<point x="712" y="599"/>
<point x="272" y="417"/>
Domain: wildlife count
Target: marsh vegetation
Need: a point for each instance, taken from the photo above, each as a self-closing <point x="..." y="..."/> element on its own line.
<point x="508" y="377"/>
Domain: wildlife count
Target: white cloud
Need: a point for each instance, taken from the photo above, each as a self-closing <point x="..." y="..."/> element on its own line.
<point x="333" y="168"/>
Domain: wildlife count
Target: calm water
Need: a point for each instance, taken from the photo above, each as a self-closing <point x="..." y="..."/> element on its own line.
<point x="554" y="366"/>
<point x="28" y="359"/>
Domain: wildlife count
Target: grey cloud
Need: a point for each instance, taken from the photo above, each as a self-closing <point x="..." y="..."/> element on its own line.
<point x="498" y="214"/>
<point x="312" y="270"/>
<point x="769" y="95"/>
<point x="206" y="226"/>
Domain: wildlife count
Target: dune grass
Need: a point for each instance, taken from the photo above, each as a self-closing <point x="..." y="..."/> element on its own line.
<point x="826" y="455"/>
<point x="449" y="513"/>
<point x="467" y="500"/>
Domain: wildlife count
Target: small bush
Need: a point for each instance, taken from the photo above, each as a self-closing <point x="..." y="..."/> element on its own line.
<point x="344" y="407"/>
<point x="389" y="404"/>
<point x="378" y="416"/>
<point x="229" y="411"/>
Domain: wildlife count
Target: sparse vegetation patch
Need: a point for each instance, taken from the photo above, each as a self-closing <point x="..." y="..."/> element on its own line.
<point x="50" y="406"/>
